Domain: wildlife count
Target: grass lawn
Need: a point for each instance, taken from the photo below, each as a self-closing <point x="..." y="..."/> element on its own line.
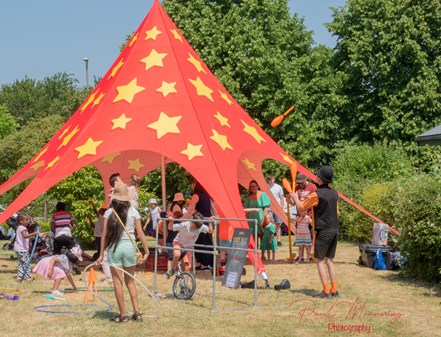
<point x="380" y="302"/>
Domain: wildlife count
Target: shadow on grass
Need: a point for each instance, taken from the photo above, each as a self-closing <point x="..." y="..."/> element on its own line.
<point x="307" y="292"/>
<point x="432" y="289"/>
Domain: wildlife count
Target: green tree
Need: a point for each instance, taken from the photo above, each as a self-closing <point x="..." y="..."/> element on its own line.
<point x="18" y="148"/>
<point x="29" y="99"/>
<point x="7" y="122"/>
<point x="388" y="54"/>
<point x="264" y="57"/>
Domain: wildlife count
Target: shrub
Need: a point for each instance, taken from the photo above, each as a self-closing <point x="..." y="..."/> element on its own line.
<point x="417" y="214"/>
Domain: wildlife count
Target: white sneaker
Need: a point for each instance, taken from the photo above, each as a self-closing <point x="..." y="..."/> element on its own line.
<point x="57" y="293"/>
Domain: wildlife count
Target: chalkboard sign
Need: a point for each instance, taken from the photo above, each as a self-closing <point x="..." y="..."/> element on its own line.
<point x="236" y="258"/>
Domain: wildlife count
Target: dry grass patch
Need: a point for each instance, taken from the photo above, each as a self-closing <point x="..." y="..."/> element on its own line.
<point x="378" y="300"/>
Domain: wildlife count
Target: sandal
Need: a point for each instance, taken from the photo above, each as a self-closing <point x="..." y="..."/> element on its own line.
<point x="120" y="319"/>
<point x="137" y="317"/>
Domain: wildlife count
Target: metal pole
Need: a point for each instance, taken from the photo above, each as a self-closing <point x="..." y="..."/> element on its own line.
<point x="164" y="196"/>
<point x="213" y="301"/>
<point x="155" y="270"/>
<point x="255" y="262"/>
<point x="86" y="60"/>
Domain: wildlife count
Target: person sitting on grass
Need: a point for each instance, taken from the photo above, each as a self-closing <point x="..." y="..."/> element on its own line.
<point x="188" y="233"/>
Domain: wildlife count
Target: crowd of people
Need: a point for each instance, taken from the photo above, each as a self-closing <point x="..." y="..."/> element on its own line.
<point x="117" y="227"/>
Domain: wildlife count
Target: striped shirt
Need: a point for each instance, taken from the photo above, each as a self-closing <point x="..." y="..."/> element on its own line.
<point x="62" y="221"/>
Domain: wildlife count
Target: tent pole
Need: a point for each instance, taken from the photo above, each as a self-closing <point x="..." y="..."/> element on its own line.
<point x="164" y="202"/>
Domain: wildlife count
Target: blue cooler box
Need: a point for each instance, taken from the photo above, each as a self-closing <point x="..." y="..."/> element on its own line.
<point x="368" y="251"/>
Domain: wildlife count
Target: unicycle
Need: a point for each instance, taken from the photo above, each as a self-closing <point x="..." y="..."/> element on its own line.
<point x="184" y="284"/>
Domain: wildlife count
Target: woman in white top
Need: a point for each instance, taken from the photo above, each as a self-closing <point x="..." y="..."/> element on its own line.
<point x="121" y="251"/>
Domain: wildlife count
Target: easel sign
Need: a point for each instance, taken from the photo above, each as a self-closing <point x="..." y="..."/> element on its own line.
<point x="236" y="258"/>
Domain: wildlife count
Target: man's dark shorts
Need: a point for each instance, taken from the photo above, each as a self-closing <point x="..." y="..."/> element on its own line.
<point x="63" y="240"/>
<point x="325" y="244"/>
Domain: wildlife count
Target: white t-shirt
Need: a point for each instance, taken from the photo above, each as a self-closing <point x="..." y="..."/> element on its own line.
<point x="132" y="215"/>
<point x="21" y="244"/>
<point x="187" y="236"/>
<point x="277" y="192"/>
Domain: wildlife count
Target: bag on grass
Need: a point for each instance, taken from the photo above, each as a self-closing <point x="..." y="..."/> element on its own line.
<point x="379" y="260"/>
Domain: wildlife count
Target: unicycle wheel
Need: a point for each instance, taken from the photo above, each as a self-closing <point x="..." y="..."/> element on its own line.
<point x="184" y="286"/>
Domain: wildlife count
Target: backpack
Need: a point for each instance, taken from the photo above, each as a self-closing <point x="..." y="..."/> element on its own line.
<point x="379" y="260"/>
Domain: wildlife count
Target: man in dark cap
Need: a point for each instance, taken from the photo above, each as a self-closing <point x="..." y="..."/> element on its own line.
<point x="325" y="209"/>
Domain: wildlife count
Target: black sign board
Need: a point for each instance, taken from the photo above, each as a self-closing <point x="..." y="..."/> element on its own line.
<point x="236" y="258"/>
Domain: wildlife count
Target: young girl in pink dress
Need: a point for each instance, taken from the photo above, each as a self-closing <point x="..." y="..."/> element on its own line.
<point x="303" y="235"/>
<point x="57" y="267"/>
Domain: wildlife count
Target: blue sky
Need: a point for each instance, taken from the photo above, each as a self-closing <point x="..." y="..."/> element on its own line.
<point x="39" y="38"/>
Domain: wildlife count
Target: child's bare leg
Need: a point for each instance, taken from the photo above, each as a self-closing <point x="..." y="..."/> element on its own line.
<point x="301" y="249"/>
<point x="57" y="283"/>
<point x="273" y="253"/>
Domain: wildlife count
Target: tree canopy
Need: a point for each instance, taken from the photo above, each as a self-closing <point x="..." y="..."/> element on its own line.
<point x="388" y="54"/>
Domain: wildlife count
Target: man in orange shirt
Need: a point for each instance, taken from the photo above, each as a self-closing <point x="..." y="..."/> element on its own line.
<point x="325" y="209"/>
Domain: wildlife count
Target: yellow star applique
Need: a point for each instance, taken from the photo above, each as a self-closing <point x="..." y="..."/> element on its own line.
<point x="201" y="88"/>
<point x="67" y="139"/>
<point x="133" y="39"/>
<point x="165" y="124"/>
<point x="192" y="151"/>
<point x="251" y="130"/>
<point x="152" y="33"/>
<point x="98" y="100"/>
<point x="197" y="64"/>
<point x="286" y="158"/>
<point x="167" y="88"/>
<point x="225" y="97"/>
<point x="222" y="120"/>
<point x="249" y="164"/>
<point x="176" y="35"/>
<point x="110" y="157"/>
<point x="42" y="152"/>
<point x="89" y="100"/>
<point x="135" y="165"/>
<point x="116" y="68"/>
<point x="222" y="140"/>
<point x="127" y="92"/>
<point x="36" y="166"/>
<point x="52" y="163"/>
<point x="64" y="132"/>
<point x="89" y="147"/>
<point x="120" y="122"/>
<point x="154" y="59"/>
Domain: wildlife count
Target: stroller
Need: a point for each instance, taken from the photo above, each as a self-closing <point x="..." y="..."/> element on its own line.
<point x="12" y="222"/>
<point x="42" y="248"/>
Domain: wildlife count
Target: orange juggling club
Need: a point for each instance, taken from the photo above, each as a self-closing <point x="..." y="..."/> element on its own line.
<point x="286" y="185"/>
<point x="293" y="175"/>
<point x="276" y="121"/>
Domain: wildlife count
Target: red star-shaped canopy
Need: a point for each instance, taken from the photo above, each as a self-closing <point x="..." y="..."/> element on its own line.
<point x="158" y="99"/>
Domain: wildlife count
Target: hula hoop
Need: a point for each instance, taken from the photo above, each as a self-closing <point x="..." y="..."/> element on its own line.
<point x="40" y="308"/>
<point x="133" y="277"/>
